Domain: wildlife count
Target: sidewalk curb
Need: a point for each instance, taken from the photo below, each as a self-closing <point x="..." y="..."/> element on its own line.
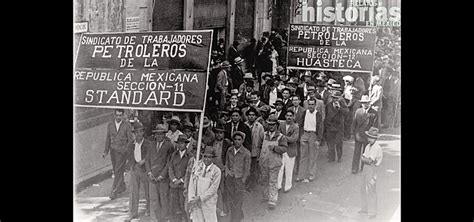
<point x="97" y="177"/>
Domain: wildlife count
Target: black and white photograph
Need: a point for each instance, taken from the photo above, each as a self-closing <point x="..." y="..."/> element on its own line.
<point x="236" y="110"/>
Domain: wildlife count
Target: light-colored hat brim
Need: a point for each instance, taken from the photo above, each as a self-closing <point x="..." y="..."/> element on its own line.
<point x="371" y="136"/>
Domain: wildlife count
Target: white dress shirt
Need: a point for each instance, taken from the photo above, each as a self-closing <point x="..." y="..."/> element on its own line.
<point x="310" y="121"/>
<point x="137" y="152"/>
<point x="181" y="153"/>
<point x="273" y="96"/>
<point x="117" y="125"/>
<point x="374" y="152"/>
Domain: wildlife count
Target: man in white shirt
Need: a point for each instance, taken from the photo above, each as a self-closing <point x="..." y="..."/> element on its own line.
<point x="375" y="95"/>
<point x="173" y="132"/>
<point x="138" y="154"/>
<point x="371" y="158"/>
<point x="309" y="143"/>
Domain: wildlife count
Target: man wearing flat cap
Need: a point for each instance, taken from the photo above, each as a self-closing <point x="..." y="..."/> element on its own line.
<point x="270" y="160"/>
<point x="157" y="172"/>
<point x="177" y="170"/>
<point x="138" y="155"/>
<point x="237" y="170"/>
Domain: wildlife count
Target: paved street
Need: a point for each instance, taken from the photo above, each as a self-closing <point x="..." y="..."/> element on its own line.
<point x="333" y="196"/>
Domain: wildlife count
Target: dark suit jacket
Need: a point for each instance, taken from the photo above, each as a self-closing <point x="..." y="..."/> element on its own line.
<point x="326" y="96"/>
<point x="281" y="116"/>
<point x="287" y="105"/>
<point x="299" y="117"/>
<point x="243" y="128"/>
<point x="319" y="124"/>
<point x="292" y="136"/>
<point x="118" y="140"/>
<point x="360" y="124"/>
<point x="146" y="145"/>
<point x="334" y="122"/>
<point x="177" y="167"/>
<point x="157" y="161"/>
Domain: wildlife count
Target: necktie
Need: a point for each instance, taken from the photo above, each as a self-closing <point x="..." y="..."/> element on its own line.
<point x="204" y="174"/>
<point x="296" y="110"/>
<point x="234" y="129"/>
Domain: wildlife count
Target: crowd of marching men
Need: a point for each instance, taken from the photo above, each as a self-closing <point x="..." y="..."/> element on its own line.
<point x="262" y="123"/>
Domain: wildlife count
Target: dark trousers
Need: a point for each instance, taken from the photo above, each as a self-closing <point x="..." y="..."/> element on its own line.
<point x="334" y="149"/>
<point x="137" y="177"/>
<point x="356" y="158"/>
<point x="177" y="204"/>
<point x="159" y="198"/>
<point x="348" y="124"/>
<point x="235" y="192"/>
<point x="118" y="160"/>
<point x="296" y="168"/>
<point x="252" y="180"/>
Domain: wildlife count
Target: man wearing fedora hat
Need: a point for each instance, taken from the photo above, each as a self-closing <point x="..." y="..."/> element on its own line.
<point x="237" y="72"/>
<point x="118" y="137"/>
<point x="157" y="171"/>
<point x="138" y="155"/>
<point x="371" y="158"/>
<point x="360" y="124"/>
<point x="237" y="170"/>
<point x="223" y="83"/>
<point x="203" y="186"/>
<point x="336" y="109"/>
<point x="208" y="135"/>
<point x="177" y="170"/>
<point x="270" y="160"/>
<point x="173" y="131"/>
<point x="279" y="112"/>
